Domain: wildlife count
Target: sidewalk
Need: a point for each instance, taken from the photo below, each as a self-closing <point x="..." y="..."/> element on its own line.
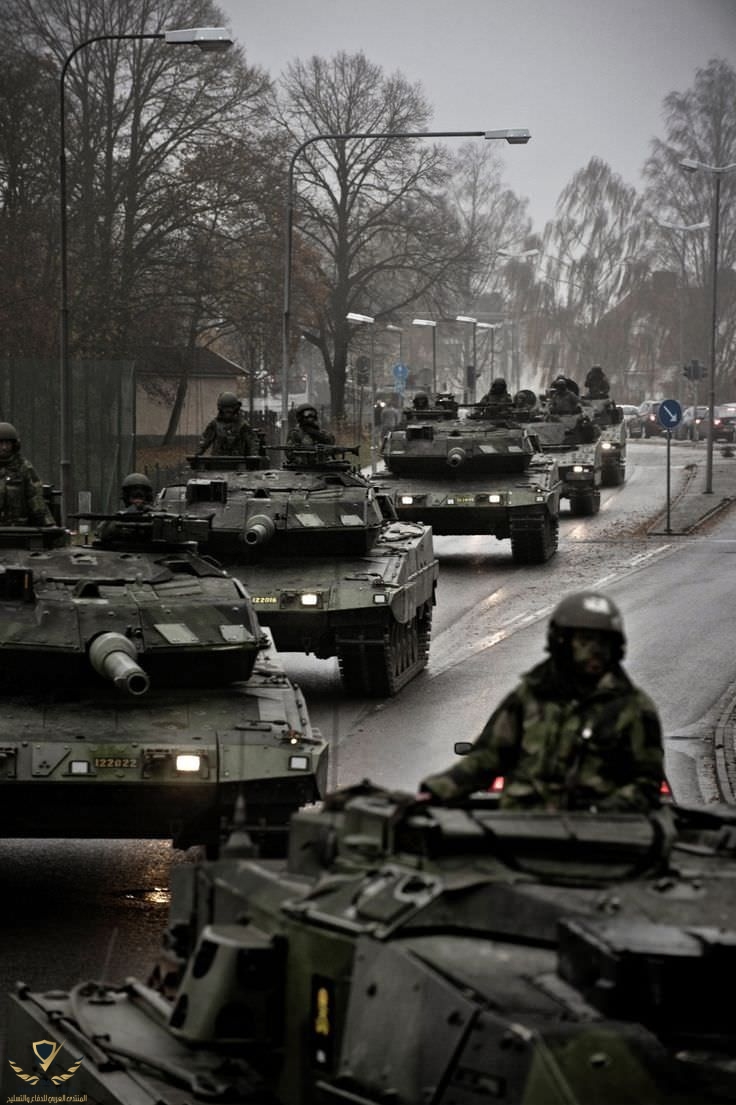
<point x="690" y="506"/>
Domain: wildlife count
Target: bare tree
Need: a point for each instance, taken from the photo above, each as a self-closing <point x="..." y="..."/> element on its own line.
<point x="376" y="232"/>
<point x="140" y="118"/>
<point x="701" y="125"/>
<point x="592" y="258"/>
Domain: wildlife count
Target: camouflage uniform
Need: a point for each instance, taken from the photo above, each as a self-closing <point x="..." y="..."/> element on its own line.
<point x="564" y="402"/>
<point x="602" y="748"/>
<point x="229" y="439"/>
<point x="21" y="495"/>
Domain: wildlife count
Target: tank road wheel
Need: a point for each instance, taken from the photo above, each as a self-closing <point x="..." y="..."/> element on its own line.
<point x="380" y="666"/>
<point x="585" y="503"/>
<point x="534" y="538"/>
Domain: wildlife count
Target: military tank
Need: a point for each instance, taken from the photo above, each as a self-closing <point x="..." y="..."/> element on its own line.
<point x="574" y="441"/>
<point x="461" y="471"/>
<point x="329" y="567"/>
<point x="609" y="418"/>
<point x="409" y="953"/>
<point x="140" y="695"/>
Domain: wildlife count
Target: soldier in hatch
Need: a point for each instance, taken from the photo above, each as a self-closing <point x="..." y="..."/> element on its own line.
<point x="21" y="492"/>
<point x="229" y="435"/>
<point x="562" y="399"/>
<point x="497" y="402"/>
<point x="307" y="433"/>
<point x="596" y="383"/>
<point x="575" y="733"/>
<point x="136" y="492"/>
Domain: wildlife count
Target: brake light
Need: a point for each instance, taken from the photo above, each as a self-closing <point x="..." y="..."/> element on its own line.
<point x="497" y="785"/>
<point x="664" y="789"/>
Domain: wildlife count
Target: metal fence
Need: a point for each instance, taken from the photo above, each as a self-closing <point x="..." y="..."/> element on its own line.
<point x="103" y="422"/>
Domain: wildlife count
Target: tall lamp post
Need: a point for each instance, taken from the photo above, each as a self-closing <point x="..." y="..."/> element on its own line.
<point x="369" y="320"/>
<point x="716" y="171"/>
<point x="211" y="39"/>
<point x="470" y="382"/>
<point x="433" y="324"/>
<point x="512" y="136"/>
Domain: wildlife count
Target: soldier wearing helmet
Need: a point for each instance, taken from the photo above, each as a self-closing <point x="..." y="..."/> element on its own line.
<point x="307" y="432"/>
<point x="575" y="733"/>
<point x="563" y="399"/>
<point x="229" y="435"/>
<point x="21" y="492"/>
<point x="136" y="491"/>
<point x="497" y="402"/>
<point x="597" y="384"/>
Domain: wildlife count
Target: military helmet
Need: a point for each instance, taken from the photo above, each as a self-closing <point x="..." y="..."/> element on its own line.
<point x="137" y="480"/>
<point x="305" y="410"/>
<point x="589" y="610"/>
<point x="420" y="400"/>
<point x="560" y="383"/>
<point x="525" y="399"/>
<point x="228" y="399"/>
<point x="8" y="432"/>
<point x="498" y="387"/>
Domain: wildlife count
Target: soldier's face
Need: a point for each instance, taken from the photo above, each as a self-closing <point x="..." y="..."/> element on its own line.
<point x="6" y="449"/>
<point x="592" y="653"/>
<point x="228" y="414"/>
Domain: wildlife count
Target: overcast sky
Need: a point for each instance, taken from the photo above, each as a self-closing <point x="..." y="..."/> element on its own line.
<point x="586" y="77"/>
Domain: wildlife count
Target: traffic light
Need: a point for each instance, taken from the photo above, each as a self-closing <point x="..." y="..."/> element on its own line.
<point x="694" y="370"/>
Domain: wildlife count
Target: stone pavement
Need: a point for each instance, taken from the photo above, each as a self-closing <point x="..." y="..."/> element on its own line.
<point x="690" y="506"/>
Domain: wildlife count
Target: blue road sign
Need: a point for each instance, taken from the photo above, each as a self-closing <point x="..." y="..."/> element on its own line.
<point x="400" y="371"/>
<point x="669" y="414"/>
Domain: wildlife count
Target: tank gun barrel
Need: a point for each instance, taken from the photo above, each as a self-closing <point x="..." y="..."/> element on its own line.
<point x="456" y="457"/>
<point x="113" y="657"/>
<point x="260" y="530"/>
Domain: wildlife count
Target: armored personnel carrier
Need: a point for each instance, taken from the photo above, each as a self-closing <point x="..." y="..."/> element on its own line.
<point x="609" y="418"/>
<point x="140" y="695"/>
<point x="463" y="472"/>
<point x="414" y="953"/>
<point x="327" y="564"/>
<point x="574" y="441"/>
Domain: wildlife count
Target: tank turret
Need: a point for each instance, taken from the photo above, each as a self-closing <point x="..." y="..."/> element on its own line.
<point x="408" y="952"/>
<point x="140" y="694"/>
<point x="328" y="566"/>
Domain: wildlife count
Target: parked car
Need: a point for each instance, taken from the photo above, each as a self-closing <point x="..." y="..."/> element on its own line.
<point x="630" y="412"/>
<point x="724" y="423"/>
<point x="694" y="425"/>
<point x="645" y="424"/>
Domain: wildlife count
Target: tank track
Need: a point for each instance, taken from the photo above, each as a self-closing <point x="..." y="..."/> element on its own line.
<point x="534" y="538"/>
<point x="377" y="665"/>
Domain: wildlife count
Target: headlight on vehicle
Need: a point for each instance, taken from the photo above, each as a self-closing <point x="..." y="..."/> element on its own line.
<point x="406" y="500"/>
<point x="310" y="598"/>
<point x="79" y="767"/>
<point x="299" y="763"/>
<point x="380" y="598"/>
<point x="495" y="498"/>
<point x="578" y="468"/>
<point x="188" y="762"/>
<point x="606" y="445"/>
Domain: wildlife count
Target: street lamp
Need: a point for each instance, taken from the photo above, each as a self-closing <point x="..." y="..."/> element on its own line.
<point x="369" y="320"/>
<point x="518" y="136"/>
<point x="208" y="39"/>
<point x="716" y="171"/>
<point x="433" y="324"/>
